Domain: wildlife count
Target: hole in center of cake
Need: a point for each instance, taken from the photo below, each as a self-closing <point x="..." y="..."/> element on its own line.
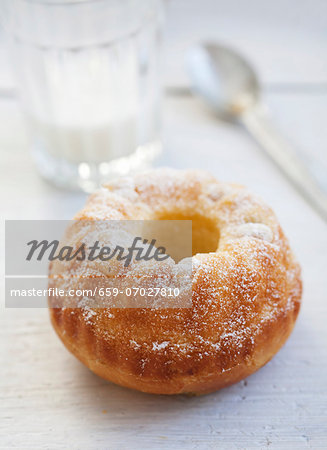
<point x="205" y="233"/>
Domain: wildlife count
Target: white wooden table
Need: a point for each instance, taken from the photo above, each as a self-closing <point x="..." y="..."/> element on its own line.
<point x="47" y="398"/>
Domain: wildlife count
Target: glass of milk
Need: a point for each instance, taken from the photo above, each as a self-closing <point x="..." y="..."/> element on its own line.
<point x="88" y="77"/>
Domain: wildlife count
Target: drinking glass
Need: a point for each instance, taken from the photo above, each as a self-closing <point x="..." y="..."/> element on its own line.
<point x="88" y="76"/>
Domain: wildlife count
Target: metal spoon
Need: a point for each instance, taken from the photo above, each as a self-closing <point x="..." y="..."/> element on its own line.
<point x="227" y="82"/>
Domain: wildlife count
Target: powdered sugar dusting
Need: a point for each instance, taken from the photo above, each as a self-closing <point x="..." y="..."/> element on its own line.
<point x="238" y="291"/>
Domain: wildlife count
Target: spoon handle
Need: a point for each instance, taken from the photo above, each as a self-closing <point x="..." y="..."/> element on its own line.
<point x="259" y="126"/>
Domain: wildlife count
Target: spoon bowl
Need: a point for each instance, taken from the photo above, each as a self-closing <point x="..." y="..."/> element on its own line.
<point x="223" y="78"/>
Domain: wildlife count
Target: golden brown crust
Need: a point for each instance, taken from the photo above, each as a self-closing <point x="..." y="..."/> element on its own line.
<point x="245" y="296"/>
